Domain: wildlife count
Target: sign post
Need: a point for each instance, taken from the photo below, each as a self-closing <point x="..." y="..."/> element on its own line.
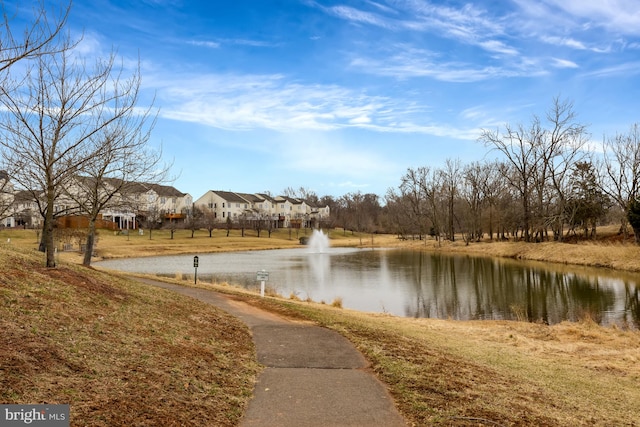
<point x="262" y="276"/>
<point x="195" y="265"/>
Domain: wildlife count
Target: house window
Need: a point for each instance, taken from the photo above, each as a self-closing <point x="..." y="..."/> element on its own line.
<point x="237" y="205"/>
<point x="210" y="205"/>
<point x="246" y="206"/>
<point x="223" y="204"/>
<point x="223" y="214"/>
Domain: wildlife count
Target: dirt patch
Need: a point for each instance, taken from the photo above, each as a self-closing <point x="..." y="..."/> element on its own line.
<point x="86" y="283"/>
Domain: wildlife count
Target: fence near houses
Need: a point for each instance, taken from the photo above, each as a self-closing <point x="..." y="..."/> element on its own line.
<point x="80" y="221"/>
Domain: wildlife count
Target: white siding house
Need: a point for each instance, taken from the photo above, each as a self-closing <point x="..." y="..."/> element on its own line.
<point x="223" y="204"/>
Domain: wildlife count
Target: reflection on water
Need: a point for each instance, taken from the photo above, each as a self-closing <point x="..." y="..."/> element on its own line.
<point x="415" y="284"/>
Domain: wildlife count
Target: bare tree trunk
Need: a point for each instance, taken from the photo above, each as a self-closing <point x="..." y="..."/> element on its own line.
<point x="48" y="232"/>
<point x="90" y="242"/>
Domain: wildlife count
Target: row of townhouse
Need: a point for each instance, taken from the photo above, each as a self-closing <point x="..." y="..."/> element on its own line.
<point x="279" y="211"/>
<point x="133" y="207"/>
<point x="146" y="205"/>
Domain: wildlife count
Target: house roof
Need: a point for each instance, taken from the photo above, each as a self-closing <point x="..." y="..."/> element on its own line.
<point x="266" y="197"/>
<point x="230" y="196"/>
<point x="23" y="196"/>
<point x="166" y="190"/>
<point x="292" y="200"/>
<point x="253" y="198"/>
<point x="138" y="187"/>
<point x="160" y="190"/>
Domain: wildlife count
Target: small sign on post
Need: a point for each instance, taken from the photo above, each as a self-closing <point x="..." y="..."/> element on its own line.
<point x="195" y="266"/>
<point x="262" y="276"/>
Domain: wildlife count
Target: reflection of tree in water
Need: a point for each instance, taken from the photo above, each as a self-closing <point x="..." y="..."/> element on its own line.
<point x="478" y="288"/>
<point x="632" y="305"/>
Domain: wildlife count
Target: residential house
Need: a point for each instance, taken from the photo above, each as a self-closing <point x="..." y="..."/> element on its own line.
<point x="134" y="204"/>
<point x="223" y="205"/>
<point x="25" y="211"/>
<point x="282" y="210"/>
<point x="147" y="205"/>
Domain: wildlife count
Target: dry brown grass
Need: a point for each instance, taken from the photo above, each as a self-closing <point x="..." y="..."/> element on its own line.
<point x="118" y="352"/>
<point x="444" y="373"/>
<point x="609" y="251"/>
<point x="111" y="245"/>
<point x="464" y="373"/>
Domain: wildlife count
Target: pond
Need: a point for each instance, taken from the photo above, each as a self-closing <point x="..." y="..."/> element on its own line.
<point x="417" y="284"/>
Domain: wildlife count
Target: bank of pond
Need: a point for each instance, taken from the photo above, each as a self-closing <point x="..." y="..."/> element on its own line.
<point x="417" y="284"/>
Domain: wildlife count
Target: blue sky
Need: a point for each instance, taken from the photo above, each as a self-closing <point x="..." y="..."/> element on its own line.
<point x="344" y="96"/>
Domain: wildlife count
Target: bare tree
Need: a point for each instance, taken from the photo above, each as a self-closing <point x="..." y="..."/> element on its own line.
<point x="196" y="219"/>
<point x="398" y="215"/>
<point x="36" y="38"/>
<point x="413" y="190"/>
<point x="120" y="156"/>
<point x="492" y="187"/>
<point x="152" y="218"/>
<point x="209" y="220"/>
<point x="518" y="146"/>
<point x="540" y="160"/>
<point x="18" y="43"/>
<point x="560" y="147"/>
<point x="472" y="192"/>
<point x="620" y="174"/>
<point x="451" y="177"/>
<point x="53" y="125"/>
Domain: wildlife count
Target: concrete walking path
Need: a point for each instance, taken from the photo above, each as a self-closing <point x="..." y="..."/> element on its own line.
<point x="314" y="377"/>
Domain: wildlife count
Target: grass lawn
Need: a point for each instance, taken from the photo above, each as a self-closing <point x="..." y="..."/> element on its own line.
<point x="102" y="343"/>
<point x="118" y="352"/>
<point x="453" y="373"/>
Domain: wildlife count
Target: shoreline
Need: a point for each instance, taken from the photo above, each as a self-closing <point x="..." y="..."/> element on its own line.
<point x="608" y="252"/>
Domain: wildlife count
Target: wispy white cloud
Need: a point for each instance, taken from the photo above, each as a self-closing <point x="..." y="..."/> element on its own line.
<point x="498" y="47"/>
<point x="625" y="69"/>
<point x="358" y="16"/>
<point x="203" y="43"/>
<point x="573" y="44"/>
<point x="469" y="24"/>
<point x="214" y="44"/>
<point x="616" y="16"/>
<point x="563" y="63"/>
<point x="403" y="61"/>
<point x="563" y="42"/>
<point x="271" y="102"/>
